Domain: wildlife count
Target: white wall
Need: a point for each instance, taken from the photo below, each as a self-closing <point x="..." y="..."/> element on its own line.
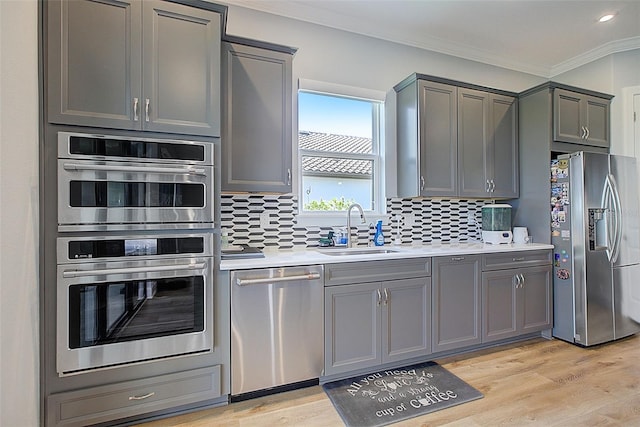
<point x="19" y="371"/>
<point x="336" y="56"/>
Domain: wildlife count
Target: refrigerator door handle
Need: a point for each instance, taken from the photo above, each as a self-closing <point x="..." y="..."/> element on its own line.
<point x="617" y="218"/>
<point x="607" y="209"/>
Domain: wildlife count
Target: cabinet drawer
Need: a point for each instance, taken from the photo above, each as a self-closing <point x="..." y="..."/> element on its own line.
<point x="504" y="260"/>
<point x="376" y="271"/>
<point x="114" y="401"/>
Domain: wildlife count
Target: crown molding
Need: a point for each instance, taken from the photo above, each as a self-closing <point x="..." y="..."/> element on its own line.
<point x="610" y="48"/>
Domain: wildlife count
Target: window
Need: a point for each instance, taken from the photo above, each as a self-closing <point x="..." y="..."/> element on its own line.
<point x="339" y="152"/>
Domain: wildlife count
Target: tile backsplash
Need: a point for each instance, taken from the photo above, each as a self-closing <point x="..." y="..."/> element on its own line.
<point x="270" y="221"/>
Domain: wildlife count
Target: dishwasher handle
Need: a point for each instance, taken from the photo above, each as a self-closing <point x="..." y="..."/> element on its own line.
<point x="307" y="276"/>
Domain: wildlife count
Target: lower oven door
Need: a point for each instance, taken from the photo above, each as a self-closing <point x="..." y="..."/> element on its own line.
<point x="123" y="312"/>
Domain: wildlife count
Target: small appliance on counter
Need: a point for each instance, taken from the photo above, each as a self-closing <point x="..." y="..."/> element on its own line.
<point x="496" y="223"/>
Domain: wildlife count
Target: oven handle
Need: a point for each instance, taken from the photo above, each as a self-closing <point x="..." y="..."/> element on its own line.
<point x="179" y="267"/>
<point x="136" y="169"/>
<point x="308" y="276"/>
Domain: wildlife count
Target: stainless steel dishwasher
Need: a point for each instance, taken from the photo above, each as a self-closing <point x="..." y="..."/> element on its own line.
<point x="276" y="328"/>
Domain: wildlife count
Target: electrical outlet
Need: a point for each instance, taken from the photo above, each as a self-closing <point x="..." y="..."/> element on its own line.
<point x="471" y="218"/>
<point x="265" y="220"/>
<point x="410" y="220"/>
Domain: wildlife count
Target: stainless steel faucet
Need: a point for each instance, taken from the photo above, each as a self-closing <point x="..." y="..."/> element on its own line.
<point x="355" y="205"/>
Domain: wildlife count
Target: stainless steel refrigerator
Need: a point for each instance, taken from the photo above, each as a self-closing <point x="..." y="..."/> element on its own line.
<point x="596" y="237"/>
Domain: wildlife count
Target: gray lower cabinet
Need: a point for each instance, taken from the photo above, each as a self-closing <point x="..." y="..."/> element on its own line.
<point x="516" y="296"/>
<point x="257" y="119"/>
<point x="456" y="302"/>
<point x="121" y="400"/>
<point x="580" y="118"/>
<point x="371" y="323"/>
<point x="151" y="65"/>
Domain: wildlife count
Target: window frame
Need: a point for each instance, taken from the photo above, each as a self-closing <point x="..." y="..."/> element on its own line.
<point x="377" y="98"/>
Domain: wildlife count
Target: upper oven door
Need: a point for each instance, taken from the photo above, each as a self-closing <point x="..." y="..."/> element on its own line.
<point x="102" y="195"/>
<point x="116" y="183"/>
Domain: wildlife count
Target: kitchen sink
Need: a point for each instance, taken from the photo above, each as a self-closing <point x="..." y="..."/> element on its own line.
<point x="355" y="251"/>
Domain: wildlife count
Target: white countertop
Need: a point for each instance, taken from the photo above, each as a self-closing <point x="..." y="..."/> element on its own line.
<point x="308" y="256"/>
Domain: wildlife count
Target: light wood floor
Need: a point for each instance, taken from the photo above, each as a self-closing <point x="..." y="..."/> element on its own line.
<point x="533" y="383"/>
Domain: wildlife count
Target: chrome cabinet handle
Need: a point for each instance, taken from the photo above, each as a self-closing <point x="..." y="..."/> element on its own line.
<point x="522" y="281"/>
<point x="386" y="296"/>
<point x="308" y="276"/>
<point x="131" y="270"/>
<point x="135" y="109"/>
<point x="421" y="183"/>
<point x="488" y="188"/>
<point x="288" y="176"/>
<point x="146" y="396"/>
<point x="379" y="296"/>
<point x="515" y="280"/>
<point x="493" y="186"/>
<point x="588" y="133"/>
<point x="457" y="258"/>
<point x="146" y="110"/>
<point x="518" y="259"/>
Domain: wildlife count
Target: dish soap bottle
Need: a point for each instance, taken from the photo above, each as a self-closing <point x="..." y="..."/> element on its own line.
<point x="378" y="238"/>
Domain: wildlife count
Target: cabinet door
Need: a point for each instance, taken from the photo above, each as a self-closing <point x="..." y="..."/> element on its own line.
<point x="536" y="299"/>
<point x="406" y="319"/>
<point x="473" y="143"/>
<point x="456" y="302"/>
<point x="567" y="120"/>
<point x="257" y="129"/>
<point x="596" y="120"/>
<point x="499" y="305"/>
<point x="503" y="150"/>
<point x="352" y="327"/>
<point x="438" y="139"/>
<point x="181" y="64"/>
<point x="94" y="66"/>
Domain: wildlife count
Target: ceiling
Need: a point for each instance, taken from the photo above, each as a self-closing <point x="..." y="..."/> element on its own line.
<point x="540" y="37"/>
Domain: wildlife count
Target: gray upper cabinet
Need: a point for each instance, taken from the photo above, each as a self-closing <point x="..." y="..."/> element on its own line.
<point x="455" y="140"/>
<point x="151" y="65"/>
<point x="474" y="151"/>
<point x="257" y="119"/>
<point x="487" y="145"/>
<point x="580" y="118"/>
<point x="427" y="139"/>
<point x="456" y="302"/>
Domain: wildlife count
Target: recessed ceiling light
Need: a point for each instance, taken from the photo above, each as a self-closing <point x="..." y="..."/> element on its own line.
<point x="608" y="17"/>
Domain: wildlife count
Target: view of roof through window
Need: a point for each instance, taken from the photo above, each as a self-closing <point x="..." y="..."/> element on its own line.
<point x="338" y="151"/>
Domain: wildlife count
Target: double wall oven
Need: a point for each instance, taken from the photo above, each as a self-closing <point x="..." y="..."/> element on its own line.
<point x="135" y="266"/>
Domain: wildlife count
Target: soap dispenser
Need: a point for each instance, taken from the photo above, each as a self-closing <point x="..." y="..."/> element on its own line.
<point x="378" y="238"/>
